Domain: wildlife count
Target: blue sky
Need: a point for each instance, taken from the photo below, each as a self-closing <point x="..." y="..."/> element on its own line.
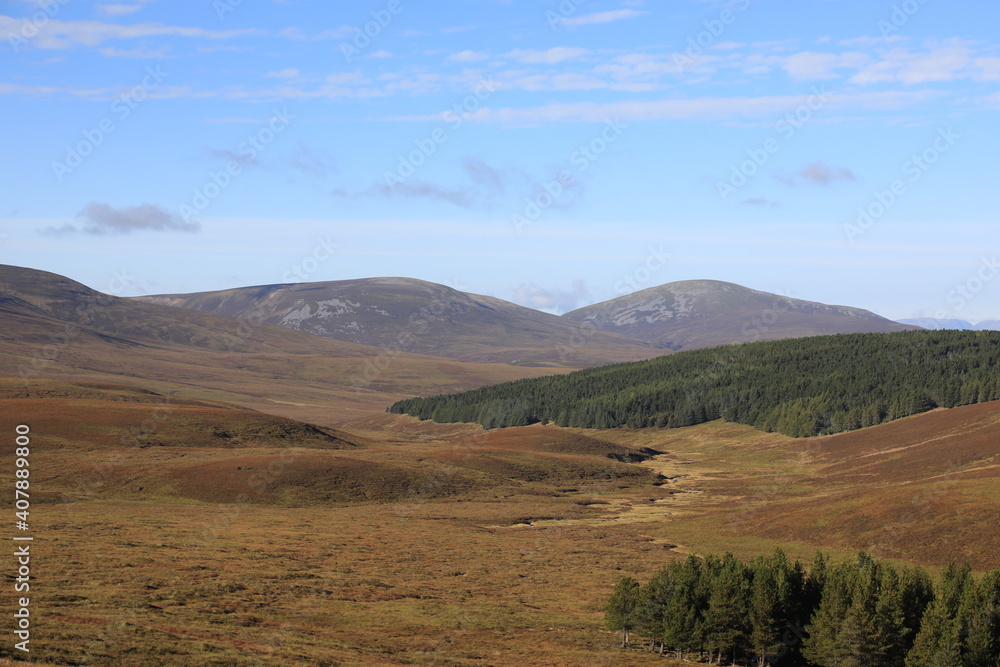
<point x="550" y="153"/>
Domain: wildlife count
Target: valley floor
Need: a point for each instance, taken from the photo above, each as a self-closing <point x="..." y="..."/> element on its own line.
<point x="508" y="572"/>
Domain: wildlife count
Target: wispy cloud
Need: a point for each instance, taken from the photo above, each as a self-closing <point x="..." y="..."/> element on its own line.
<point x="298" y="34"/>
<point x="940" y="63"/>
<point x="56" y="34"/>
<point x="816" y="173"/>
<point x="760" y="202"/>
<point x="468" y="56"/>
<point x="698" y="109"/>
<point x="597" y="18"/>
<point x="287" y="73"/>
<point x="122" y="8"/>
<point x="811" y="66"/>
<point x="304" y="158"/>
<point x="311" y="161"/>
<point x="548" y="57"/>
<point x="486" y="187"/>
<point x="987" y="69"/>
<point x="141" y="52"/>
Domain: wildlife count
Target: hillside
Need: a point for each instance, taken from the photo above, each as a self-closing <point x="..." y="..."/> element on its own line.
<point x="419" y="317"/>
<point x="705" y="313"/>
<point x="800" y="387"/>
<point x="56" y="328"/>
<point x="923" y="488"/>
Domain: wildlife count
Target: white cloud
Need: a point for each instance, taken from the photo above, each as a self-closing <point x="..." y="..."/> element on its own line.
<point x="56" y="34"/>
<point x="298" y="34"/>
<point x="549" y="57"/>
<point x="468" y="56"/>
<point x="988" y="69"/>
<point x="121" y="9"/>
<point x="705" y="108"/>
<point x="141" y="52"/>
<point x="555" y="301"/>
<point x="940" y="64"/>
<point x="596" y="18"/>
<point x="812" y="66"/>
<point x="288" y="73"/>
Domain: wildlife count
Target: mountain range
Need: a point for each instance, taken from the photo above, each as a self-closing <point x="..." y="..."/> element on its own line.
<point x="403" y="314"/>
<point x="962" y="325"/>
<point x="433" y="319"/>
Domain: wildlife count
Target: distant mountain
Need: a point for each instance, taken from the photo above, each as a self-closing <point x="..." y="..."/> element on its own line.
<point x="420" y="317"/>
<point x="705" y="313"/>
<point x="961" y="325"/>
<point x="933" y="323"/>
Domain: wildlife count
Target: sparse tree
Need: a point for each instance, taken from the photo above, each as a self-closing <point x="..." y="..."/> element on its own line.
<point x="620" y="612"/>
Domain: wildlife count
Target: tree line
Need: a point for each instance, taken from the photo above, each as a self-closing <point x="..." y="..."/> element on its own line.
<point x="800" y="387"/>
<point x="770" y="611"/>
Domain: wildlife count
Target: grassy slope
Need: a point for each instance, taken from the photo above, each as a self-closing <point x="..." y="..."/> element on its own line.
<point x="924" y="489"/>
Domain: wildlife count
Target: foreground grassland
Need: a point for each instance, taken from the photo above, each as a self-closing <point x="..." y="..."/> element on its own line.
<point x="228" y="537"/>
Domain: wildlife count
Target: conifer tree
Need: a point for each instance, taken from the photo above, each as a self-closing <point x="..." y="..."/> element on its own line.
<point x="979" y="619"/>
<point x="938" y="644"/>
<point x="726" y="617"/>
<point x="772" y="604"/>
<point x="654" y="598"/>
<point x="823" y="646"/>
<point x="620" y="612"/>
<point x="939" y="641"/>
<point x="682" y="626"/>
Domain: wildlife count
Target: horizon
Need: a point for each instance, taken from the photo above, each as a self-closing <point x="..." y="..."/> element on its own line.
<point x="555" y="157"/>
